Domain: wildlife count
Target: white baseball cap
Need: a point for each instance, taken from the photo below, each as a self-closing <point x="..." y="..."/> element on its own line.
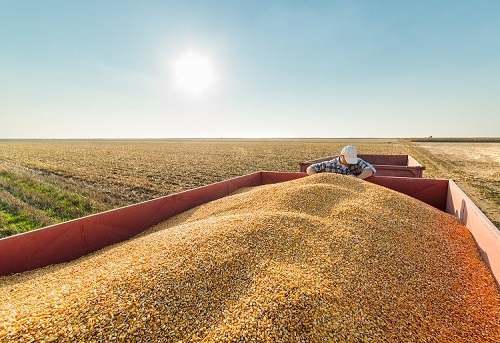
<point x="350" y="154"/>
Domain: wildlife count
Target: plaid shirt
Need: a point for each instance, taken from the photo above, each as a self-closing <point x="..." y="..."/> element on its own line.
<point x="335" y="166"/>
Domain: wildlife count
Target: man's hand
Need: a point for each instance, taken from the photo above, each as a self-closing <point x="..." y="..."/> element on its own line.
<point x="310" y="170"/>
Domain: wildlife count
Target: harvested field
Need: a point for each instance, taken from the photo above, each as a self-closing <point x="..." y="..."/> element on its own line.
<point x="325" y="258"/>
<point x="48" y="181"/>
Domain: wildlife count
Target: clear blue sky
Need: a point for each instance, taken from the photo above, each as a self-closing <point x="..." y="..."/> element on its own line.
<point x="104" y="69"/>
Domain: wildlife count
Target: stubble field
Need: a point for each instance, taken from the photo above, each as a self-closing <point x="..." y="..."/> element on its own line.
<point x="43" y="182"/>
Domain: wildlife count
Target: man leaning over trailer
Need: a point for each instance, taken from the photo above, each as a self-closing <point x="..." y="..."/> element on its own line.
<point x="346" y="163"/>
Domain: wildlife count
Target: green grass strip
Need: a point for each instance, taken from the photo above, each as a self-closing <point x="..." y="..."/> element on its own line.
<point x="53" y="201"/>
<point x="13" y="222"/>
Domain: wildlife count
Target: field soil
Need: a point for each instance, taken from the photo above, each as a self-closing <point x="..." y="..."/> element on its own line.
<point x="47" y="181"/>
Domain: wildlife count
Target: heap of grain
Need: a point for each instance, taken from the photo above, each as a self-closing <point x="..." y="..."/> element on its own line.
<point x="322" y="258"/>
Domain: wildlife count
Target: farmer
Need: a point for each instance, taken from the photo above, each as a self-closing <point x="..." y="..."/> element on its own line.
<point x="346" y="163"/>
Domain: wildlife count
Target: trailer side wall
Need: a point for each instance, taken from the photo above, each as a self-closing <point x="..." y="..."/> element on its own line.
<point x="70" y="240"/>
<point x="486" y="235"/>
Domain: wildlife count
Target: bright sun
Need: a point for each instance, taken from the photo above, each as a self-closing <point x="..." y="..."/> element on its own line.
<point x="193" y="72"/>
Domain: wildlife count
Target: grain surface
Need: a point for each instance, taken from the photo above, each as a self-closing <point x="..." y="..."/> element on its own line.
<point x="325" y="258"/>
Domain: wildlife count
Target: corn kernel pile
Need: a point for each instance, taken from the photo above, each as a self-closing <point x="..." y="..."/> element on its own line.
<point x="325" y="258"/>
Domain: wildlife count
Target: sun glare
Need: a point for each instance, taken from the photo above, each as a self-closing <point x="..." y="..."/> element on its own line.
<point x="193" y="72"/>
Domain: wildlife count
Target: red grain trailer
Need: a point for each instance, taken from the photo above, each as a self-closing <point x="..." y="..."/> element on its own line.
<point x="70" y="240"/>
<point x="386" y="165"/>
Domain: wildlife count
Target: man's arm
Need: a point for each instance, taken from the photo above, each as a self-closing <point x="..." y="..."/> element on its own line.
<point x="368" y="169"/>
<point x="366" y="173"/>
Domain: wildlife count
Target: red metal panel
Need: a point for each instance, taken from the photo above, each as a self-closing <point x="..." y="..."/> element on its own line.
<point x="386" y="165"/>
<point x="414" y="163"/>
<point x="392" y="160"/>
<point x="397" y="171"/>
<point x="70" y="240"/>
<point x="430" y="191"/>
<point x="486" y="235"/>
<point x="118" y="225"/>
<point x="41" y="247"/>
